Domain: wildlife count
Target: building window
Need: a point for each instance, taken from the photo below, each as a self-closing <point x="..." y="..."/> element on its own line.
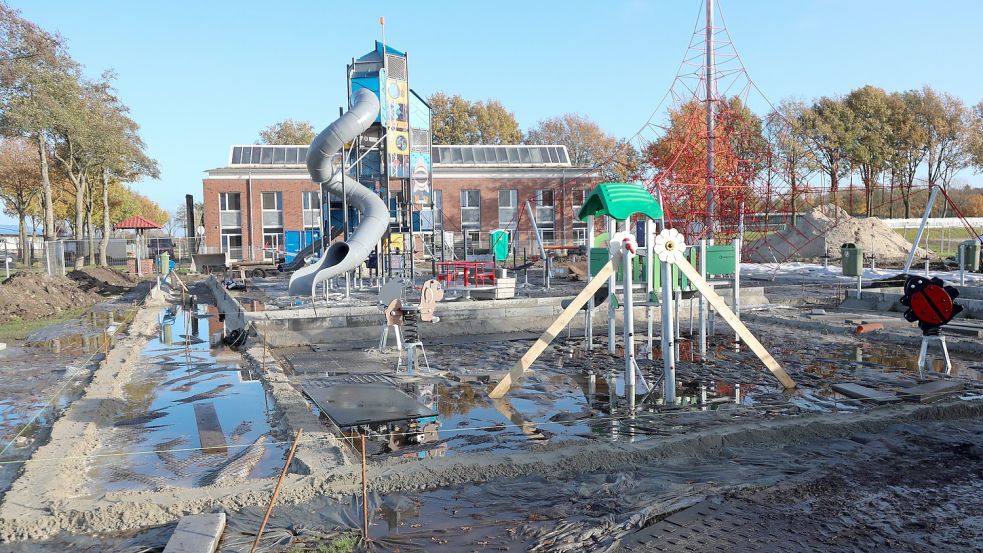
<point x="470" y="209"/>
<point x="229" y="211"/>
<point x="508" y="204"/>
<point x="580" y="236"/>
<point x="232" y="243"/>
<point x="312" y="210"/>
<point x="579" y="197"/>
<point x="272" y="224"/>
<point x="438" y="206"/>
<point x="545" y="215"/>
<point x="544" y="207"/>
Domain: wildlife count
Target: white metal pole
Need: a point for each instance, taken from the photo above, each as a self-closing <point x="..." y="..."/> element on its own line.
<point x="703" y="303"/>
<point x="668" y="346"/>
<point x="921" y="229"/>
<point x="737" y="283"/>
<point x="649" y="284"/>
<point x="612" y="294"/>
<point x="589" y="318"/>
<point x="629" y="331"/>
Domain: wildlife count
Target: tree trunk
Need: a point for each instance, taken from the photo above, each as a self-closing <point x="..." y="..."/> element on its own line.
<point x="79" y="233"/>
<point x="104" y="243"/>
<point x="90" y="226"/>
<point x="49" y="209"/>
<point x="22" y="231"/>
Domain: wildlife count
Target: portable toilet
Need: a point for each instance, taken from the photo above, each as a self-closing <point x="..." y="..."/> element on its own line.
<point x="499" y="244"/>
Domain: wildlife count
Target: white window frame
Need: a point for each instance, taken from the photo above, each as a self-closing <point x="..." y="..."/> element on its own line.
<point x="310" y="202"/>
<point x="229" y="218"/>
<point x="507" y="213"/>
<point x="466" y="207"/>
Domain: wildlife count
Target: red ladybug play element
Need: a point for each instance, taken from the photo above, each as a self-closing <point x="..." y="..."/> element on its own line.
<point x="929" y="302"/>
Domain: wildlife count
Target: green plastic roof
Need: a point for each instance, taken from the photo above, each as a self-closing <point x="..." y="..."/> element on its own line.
<point x="620" y="200"/>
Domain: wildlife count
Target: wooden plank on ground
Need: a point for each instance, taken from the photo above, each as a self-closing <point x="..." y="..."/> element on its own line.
<point x="735" y="323"/>
<point x="209" y="429"/>
<point x="856" y="391"/>
<point x="197" y="534"/>
<point x="558" y="325"/>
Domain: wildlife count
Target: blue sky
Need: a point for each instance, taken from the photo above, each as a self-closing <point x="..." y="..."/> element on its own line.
<point x="200" y="76"/>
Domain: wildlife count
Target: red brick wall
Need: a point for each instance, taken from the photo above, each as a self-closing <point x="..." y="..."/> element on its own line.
<point x="252" y="208"/>
<point x="563" y="191"/>
<point x="563" y="197"/>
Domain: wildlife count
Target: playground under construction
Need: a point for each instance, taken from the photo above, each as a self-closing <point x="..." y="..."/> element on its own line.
<point x="731" y="362"/>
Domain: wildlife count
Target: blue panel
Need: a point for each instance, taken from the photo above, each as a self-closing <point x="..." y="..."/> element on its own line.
<point x="371" y="83"/>
<point x="291" y="244"/>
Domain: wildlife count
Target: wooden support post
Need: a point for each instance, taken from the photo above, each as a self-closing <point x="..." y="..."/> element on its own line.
<point x="365" y="497"/>
<point x="276" y="490"/>
<point x="559" y="324"/>
<point x="718" y="303"/>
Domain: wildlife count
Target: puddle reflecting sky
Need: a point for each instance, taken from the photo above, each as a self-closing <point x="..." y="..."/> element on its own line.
<point x="178" y="371"/>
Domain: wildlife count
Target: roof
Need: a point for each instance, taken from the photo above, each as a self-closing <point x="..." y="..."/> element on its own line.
<point x="136" y="223"/>
<point x="620" y="200"/>
<point x="518" y="155"/>
<point x="475" y="155"/>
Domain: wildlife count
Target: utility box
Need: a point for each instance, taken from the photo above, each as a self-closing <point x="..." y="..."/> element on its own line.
<point x="499" y="241"/>
<point x="970" y="258"/>
<point x="853" y="259"/>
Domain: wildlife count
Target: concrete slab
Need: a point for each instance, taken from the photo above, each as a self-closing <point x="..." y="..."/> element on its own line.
<point x="856" y="391"/>
<point x="350" y="404"/>
<point x="932" y="391"/>
<point x="209" y="428"/>
<point x="197" y="534"/>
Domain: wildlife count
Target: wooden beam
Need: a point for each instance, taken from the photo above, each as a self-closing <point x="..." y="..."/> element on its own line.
<point x="735" y="323"/>
<point x="554" y="329"/>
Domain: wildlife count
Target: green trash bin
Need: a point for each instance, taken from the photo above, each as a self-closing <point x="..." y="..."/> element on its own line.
<point x="970" y="259"/>
<point x="853" y="259"/>
<point x="165" y="262"/>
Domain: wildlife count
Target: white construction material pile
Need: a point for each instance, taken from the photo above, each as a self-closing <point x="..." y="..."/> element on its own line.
<point x="823" y="230"/>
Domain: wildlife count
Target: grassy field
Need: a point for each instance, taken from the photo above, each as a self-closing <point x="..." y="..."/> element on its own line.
<point x="20" y="329"/>
<point x="944" y="242"/>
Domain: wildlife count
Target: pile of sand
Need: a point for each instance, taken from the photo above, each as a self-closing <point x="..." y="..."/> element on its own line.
<point x="35" y="295"/>
<point x="823" y="230"/>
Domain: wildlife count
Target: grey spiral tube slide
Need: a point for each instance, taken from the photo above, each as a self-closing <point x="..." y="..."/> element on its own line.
<point x="342" y="256"/>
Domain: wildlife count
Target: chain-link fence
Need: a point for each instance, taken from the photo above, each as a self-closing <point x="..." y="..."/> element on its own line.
<point x="138" y="256"/>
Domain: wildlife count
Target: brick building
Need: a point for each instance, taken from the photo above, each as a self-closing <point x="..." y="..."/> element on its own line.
<point x="265" y="190"/>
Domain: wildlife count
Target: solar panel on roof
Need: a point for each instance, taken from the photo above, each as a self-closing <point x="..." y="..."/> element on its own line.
<point x="291" y="156"/>
<point x="479" y="155"/>
<point x="236" y="154"/>
<point x="456" y="156"/>
<point x="562" y="152"/>
<point x="513" y="154"/>
<point x="524" y="156"/>
<point x="301" y="155"/>
<point x="267" y="156"/>
<point x="468" y="154"/>
<point x="535" y="155"/>
<point x="279" y="154"/>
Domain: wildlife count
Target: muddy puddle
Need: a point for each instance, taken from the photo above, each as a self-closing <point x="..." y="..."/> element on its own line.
<point x="91" y="333"/>
<point x="192" y="416"/>
<point x="572" y="396"/>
